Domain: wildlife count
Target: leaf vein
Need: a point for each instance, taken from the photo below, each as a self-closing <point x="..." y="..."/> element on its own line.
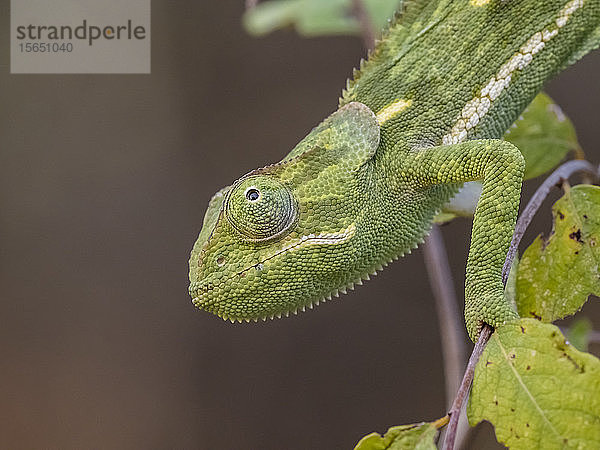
<point x="525" y="388"/>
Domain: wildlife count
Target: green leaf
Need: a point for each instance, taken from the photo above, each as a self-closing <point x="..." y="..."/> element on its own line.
<point x="556" y="275"/>
<point x="418" y="436"/>
<point x="543" y="134"/>
<point x="315" y="17"/>
<point x="579" y="334"/>
<point x="538" y="391"/>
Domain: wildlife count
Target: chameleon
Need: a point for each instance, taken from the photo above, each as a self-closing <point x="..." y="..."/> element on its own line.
<point x="422" y="115"/>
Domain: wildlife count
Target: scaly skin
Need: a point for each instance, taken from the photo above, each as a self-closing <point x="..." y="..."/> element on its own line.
<point x="424" y="114"/>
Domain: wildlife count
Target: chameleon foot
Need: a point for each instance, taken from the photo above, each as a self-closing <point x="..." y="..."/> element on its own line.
<point x="489" y="308"/>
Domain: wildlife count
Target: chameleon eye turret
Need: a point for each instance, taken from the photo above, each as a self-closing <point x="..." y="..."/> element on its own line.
<point x="260" y="208"/>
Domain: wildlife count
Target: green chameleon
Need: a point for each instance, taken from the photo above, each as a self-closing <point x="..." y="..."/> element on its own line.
<point x="425" y="113"/>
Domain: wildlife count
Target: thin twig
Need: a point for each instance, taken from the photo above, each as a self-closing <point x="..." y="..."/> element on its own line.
<point x="452" y="333"/>
<point x="366" y="25"/>
<point x="450" y="325"/>
<point x="484" y="337"/>
<point x="562" y="173"/>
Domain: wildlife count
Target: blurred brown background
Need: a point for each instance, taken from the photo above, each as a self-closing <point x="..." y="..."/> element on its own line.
<point x="103" y="184"/>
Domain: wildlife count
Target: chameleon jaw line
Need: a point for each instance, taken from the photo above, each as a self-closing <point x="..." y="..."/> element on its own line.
<point x="310" y="239"/>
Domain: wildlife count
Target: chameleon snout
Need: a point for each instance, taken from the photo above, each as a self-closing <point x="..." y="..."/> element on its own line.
<point x="199" y="291"/>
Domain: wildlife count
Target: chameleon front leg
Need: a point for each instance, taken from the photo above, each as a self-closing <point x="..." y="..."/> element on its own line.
<point x="499" y="165"/>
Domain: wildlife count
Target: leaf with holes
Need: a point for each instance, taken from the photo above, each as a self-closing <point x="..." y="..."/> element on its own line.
<point x="536" y="389"/>
<point x="544" y="135"/>
<point x="556" y="275"/>
<point x="418" y="436"/>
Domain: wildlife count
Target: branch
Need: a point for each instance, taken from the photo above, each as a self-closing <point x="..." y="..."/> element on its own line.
<point x="484" y="337"/>
<point x="450" y="324"/>
<point x="562" y="173"/>
<point x="449" y="317"/>
<point x="366" y="26"/>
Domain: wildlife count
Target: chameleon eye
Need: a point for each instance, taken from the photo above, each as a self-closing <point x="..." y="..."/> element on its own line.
<point x="260" y="208"/>
<point x="252" y="194"/>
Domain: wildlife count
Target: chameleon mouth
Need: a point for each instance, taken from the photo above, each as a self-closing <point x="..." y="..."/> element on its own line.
<point x="203" y="300"/>
<point x="200" y="290"/>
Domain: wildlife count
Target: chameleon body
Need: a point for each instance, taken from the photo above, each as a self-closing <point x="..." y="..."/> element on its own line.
<point x="425" y="113"/>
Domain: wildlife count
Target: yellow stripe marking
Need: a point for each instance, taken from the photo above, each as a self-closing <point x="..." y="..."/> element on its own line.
<point x="475" y="109"/>
<point x="480" y="2"/>
<point x="392" y="110"/>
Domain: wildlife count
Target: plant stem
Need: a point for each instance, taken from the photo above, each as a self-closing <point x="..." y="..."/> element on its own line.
<point x="484" y="337"/>
<point x="452" y="335"/>
<point x="449" y="318"/>
<point x="563" y="172"/>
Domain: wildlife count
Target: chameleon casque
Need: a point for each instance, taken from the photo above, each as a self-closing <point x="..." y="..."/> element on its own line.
<point x="425" y="113"/>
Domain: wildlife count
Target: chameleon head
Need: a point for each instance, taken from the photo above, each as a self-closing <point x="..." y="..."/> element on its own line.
<point x="285" y="236"/>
